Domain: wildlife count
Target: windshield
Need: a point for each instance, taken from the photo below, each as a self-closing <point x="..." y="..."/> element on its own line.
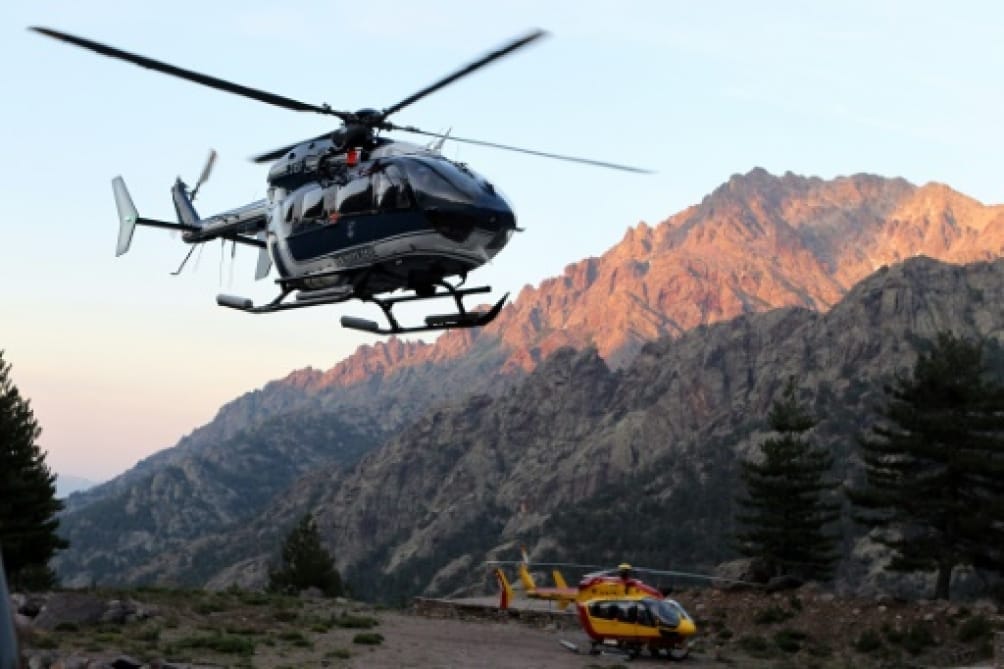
<point x="666" y="612"/>
<point x="439" y="179"/>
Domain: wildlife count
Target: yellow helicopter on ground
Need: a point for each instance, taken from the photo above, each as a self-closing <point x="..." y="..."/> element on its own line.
<point x="615" y="609"/>
<point x="631" y="625"/>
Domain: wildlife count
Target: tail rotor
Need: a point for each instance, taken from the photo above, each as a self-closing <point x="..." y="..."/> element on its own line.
<point x="206" y="171"/>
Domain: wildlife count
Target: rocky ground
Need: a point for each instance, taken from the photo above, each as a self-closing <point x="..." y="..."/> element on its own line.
<point x="189" y="629"/>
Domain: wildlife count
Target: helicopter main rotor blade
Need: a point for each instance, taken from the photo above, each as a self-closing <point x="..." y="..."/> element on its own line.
<point x="481" y="62"/>
<point x="269" y="156"/>
<point x="542" y="154"/>
<point x="204" y="79"/>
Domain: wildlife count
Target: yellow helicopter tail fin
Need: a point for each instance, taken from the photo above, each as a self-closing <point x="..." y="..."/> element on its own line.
<point x="526" y="579"/>
<point x="505" y="590"/>
<point x="560" y="582"/>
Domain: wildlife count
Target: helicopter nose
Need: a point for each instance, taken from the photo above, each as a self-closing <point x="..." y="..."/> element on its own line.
<point x="686" y="627"/>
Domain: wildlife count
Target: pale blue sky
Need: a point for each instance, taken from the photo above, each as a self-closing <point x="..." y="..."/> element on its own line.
<point x="120" y="359"/>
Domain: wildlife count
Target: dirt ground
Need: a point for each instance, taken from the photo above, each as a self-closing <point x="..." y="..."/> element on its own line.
<point x="430" y="643"/>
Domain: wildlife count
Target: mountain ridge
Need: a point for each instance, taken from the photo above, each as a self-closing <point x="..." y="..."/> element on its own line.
<point x="474" y="480"/>
<point x="757" y="242"/>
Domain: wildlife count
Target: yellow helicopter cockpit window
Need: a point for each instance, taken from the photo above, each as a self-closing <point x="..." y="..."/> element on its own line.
<point x="667" y="611"/>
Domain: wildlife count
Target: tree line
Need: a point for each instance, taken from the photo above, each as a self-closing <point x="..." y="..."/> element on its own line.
<point x="932" y="489"/>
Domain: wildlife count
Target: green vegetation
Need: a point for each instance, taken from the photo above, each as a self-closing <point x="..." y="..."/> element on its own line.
<point x="784" y="511"/>
<point x="295" y="638"/>
<point x="368" y="638"/>
<point x="305" y="563"/>
<point x="28" y="504"/>
<point x="935" y="465"/>
<point x="218" y="642"/>
<point x="349" y="621"/>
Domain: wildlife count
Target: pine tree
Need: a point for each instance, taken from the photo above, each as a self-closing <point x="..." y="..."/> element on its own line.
<point x="28" y="503"/>
<point x="306" y="563"/>
<point x="935" y="466"/>
<point x="785" y="510"/>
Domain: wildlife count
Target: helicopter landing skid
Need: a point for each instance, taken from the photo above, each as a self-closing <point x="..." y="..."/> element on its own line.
<point x="461" y="319"/>
<point x="310" y="299"/>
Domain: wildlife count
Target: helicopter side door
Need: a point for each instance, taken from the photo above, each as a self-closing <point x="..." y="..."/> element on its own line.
<point x="350" y="217"/>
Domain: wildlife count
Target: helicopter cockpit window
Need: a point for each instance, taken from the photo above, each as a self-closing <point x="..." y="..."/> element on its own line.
<point x="390" y="189"/>
<point x="439" y="180"/>
<point x="355" y="197"/>
<point x="666" y="613"/>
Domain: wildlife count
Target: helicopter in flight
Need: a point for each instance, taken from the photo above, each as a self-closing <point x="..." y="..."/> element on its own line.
<point x="352" y="214"/>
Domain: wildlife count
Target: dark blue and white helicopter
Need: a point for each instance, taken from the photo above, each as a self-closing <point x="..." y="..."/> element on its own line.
<point x="351" y="214"/>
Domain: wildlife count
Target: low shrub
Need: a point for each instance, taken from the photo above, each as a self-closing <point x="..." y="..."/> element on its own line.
<point x="789" y="640"/>
<point x="974" y="629"/>
<point x="221" y="643"/>
<point x="348" y="621"/>
<point x="916" y="639"/>
<point x="771" y="615"/>
<point x="868" y="641"/>
<point x="756" y="646"/>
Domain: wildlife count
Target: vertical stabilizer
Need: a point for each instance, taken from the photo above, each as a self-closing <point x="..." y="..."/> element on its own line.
<point x="127" y="215"/>
<point x="526" y="579"/>
<point x="505" y="590"/>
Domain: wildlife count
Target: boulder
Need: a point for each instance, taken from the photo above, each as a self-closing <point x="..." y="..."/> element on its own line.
<point x="70" y="607"/>
<point x="29" y="604"/>
<point x="750" y="570"/>
<point x="126" y="662"/>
